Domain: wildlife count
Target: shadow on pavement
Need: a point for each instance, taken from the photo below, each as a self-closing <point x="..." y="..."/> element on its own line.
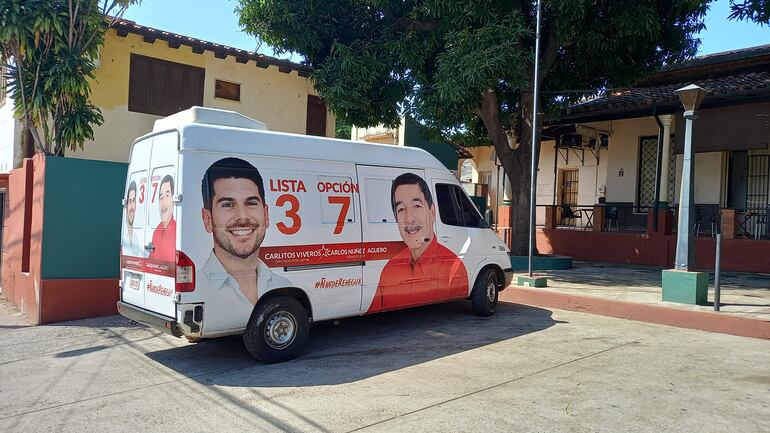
<point x="358" y="348"/>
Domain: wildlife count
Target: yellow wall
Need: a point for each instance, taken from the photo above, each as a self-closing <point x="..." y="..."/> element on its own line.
<point x="270" y="96"/>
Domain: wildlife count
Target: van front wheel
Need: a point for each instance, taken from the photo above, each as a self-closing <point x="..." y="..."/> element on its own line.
<point x="278" y="330"/>
<point x="485" y="292"/>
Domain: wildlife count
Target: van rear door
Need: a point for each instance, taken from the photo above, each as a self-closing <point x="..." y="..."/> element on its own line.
<point x="148" y="256"/>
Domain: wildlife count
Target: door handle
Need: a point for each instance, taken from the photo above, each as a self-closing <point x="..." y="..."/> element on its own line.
<point x="446" y="238"/>
<point x="150" y="247"/>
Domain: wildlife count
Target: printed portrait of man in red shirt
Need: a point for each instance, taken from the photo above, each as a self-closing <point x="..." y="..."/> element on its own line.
<point x="425" y="271"/>
<point x="164" y="237"/>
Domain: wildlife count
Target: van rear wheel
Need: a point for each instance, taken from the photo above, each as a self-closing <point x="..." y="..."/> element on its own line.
<point x="277" y="330"/>
<point x="485" y="293"/>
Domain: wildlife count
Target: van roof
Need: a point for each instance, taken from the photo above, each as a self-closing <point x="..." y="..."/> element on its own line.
<point x="210" y="116"/>
<point x="233" y="140"/>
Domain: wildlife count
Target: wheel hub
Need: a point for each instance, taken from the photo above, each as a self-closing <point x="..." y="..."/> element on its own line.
<point x="491" y="291"/>
<point x="280" y="330"/>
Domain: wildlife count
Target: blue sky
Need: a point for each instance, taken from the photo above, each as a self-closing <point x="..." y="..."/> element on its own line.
<point x="216" y="21"/>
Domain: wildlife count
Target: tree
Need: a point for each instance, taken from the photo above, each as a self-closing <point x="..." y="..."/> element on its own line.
<point x="343" y="129"/>
<point x="49" y="48"/>
<point x="752" y="10"/>
<point x="465" y="67"/>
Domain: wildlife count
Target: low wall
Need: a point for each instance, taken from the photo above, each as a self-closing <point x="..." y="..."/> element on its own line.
<point x="22" y="237"/>
<point x="65" y="222"/>
<point x="642" y="249"/>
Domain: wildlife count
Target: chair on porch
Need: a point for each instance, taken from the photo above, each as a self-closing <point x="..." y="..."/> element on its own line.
<point x="704" y="216"/>
<point x="760" y="226"/>
<point x="567" y="213"/>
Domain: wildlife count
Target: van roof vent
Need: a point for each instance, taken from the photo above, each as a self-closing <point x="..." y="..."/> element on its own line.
<point x="208" y="116"/>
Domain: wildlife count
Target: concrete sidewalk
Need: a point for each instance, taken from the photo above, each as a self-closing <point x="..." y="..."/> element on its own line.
<point x="634" y="292"/>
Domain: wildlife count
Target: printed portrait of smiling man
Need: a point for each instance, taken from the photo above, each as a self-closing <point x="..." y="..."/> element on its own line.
<point x="164" y="236"/>
<point x="235" y="213"/>
<point x="425" y="271"/>
<point x="131" y="246"/>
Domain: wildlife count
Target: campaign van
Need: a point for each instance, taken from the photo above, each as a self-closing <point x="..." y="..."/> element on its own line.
<point x="229" y="229"/>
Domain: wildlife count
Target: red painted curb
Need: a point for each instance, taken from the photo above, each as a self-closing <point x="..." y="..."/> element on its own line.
<point x="701" y="320"/>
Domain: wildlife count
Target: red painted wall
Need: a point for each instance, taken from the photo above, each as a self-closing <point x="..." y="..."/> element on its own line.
<point x="642" y="249"/>
<point x="78" y="299"/>
<point x="25" y="206"/>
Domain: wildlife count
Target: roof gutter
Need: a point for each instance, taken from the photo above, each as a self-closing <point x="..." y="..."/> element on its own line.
<point x="658" y="174"/>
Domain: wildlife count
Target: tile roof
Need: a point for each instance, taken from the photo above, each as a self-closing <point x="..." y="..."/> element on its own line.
<point x="734" y="84"/>
<point x="174" y="40"/>
<point x="729" y="78"/>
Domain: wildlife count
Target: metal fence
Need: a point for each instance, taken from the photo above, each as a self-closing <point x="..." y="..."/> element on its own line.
<point x="751" y="223"/>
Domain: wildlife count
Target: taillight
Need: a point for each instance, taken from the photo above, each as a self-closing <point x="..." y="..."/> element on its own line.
<point x="185" y="273"/>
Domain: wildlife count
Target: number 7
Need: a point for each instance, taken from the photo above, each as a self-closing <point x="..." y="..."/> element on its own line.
<point x="345" y="202"/>
<point x="154" y="191"/>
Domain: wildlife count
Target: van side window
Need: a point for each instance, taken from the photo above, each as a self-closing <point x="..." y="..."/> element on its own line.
<point x="378" y="207"/>
<point x="336" y="198"/>
<point x="455" y="208"/>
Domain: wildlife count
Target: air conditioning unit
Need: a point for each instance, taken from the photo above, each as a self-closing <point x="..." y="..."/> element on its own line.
<point x="571" y="141"/>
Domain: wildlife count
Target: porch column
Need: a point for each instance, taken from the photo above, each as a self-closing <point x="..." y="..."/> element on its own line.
<point x="666" y="120"/>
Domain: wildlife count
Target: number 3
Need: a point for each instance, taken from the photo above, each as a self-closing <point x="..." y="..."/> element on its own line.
<point x="291" y="213"/>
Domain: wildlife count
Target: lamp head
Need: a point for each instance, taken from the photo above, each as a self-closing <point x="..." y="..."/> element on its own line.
<point x="691" y="97"/>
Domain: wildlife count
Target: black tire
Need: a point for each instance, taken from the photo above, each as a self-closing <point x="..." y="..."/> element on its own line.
<point x="277" y="330"/>
<point x="485" y="293"/>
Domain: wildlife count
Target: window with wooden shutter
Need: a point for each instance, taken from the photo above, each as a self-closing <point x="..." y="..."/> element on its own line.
<point x="227" y="90"/>
<point x="316" y="116"/>
<point x="161" y="87"/>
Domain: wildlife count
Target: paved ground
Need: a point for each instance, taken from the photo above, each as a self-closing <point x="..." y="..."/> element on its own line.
<point x="429" y="369"/>
<point x="742" y="294"/>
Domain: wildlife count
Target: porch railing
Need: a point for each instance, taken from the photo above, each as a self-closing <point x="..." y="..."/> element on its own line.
<point x="709" y="219"/>
<point x="598" y="217"/>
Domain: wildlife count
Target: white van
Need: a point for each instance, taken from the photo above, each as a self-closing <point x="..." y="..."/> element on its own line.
<point x="231" y="229"/>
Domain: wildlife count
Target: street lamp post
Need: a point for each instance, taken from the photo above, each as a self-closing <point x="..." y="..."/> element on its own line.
<point x="691" y="97"/>
<point x="682" y="284"/>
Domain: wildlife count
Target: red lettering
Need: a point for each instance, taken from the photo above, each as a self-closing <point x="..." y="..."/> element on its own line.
<point x="287" y="185"/>
<point x="154" y="191"/>
<point x="338" y="187"/>
<point x="291" y="213"/>
<point x="345" y="202"/>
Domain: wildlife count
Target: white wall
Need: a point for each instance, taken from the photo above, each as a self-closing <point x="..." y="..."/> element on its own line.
<point x="617" y="169"/>
<point x="708" y="177"/>
<point x="591" y="175"/>
<point x="10" y="136"/>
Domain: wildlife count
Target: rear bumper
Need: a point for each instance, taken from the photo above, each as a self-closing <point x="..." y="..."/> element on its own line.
<point x="153" y="320"/>
<point x="508" y="274"/>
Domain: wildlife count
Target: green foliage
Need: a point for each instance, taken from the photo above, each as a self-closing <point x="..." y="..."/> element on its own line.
<point x="752" y="10"/>
<point x="343" y="129"/>
<point x="49" y="47"/>
<point x="375" y="60"/>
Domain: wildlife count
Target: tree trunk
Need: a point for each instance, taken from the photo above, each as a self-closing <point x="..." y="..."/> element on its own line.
<point x="521" y="182"/>
<point x="516" y="163"/>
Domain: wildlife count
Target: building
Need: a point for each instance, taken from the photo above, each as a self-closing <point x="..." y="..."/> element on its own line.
<point x="598" y="185"/>
<point x="61" y="216"/>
